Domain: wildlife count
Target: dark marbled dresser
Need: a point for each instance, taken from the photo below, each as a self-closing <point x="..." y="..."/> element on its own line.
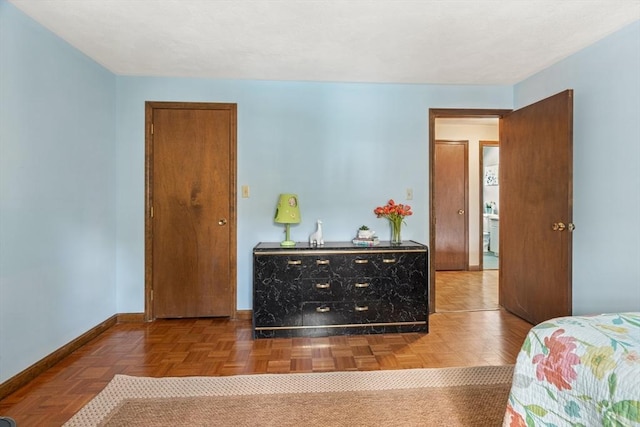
<point x="339" y="288"/>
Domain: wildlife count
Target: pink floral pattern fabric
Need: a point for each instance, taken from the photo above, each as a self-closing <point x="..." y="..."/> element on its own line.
<point x="578" y="371"/>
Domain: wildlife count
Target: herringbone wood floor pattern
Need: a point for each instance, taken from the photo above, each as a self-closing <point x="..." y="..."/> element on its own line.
<point x="211" y="347"/>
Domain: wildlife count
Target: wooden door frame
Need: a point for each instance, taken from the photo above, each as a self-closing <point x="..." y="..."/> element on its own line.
<point x="465" y="144"/>
<point x="148" y="223"/>
<point x="481" y="145"/>
<point x="436" y="113"/>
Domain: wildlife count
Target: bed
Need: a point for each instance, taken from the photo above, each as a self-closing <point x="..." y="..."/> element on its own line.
<point x="578" y="371"/>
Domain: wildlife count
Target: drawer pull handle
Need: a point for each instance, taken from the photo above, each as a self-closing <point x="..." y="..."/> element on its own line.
<point x="322" y="262"/>
<point x="362" y="308"/>
<point x="362" y="285"/>
<point x="323" y="285"/>
<point x="294" y="262"/>
<point x="389" y="260"/>
<point x="362" y="261"/>
<point x="323" y="309"/>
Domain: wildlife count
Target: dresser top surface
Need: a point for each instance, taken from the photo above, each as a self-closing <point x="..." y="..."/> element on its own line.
<point x="384" y="246"/>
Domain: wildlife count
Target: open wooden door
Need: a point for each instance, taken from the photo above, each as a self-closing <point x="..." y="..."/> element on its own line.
<point x="536" y="215"/>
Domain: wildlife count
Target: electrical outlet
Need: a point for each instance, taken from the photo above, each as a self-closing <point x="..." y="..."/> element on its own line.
<point x="245" y="191"/>
<point x="409" y="194"/>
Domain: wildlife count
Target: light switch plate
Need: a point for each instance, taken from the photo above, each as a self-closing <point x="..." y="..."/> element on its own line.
<point x="409" y="194"/>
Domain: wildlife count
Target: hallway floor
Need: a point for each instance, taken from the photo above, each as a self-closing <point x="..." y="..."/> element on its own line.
<point x="466" y="290"/>
<point x="489" y="261"/>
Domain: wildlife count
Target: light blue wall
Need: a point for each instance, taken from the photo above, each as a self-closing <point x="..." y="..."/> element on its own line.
<point x="57" y="192"/>
<point x="343" y="148"/>
<point x="605" y="78"/>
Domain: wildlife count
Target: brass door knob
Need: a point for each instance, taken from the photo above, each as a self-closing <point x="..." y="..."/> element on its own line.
<point x="461" y="212"/>
<point x="558" y="226"/>
<point x="222" y="221"/>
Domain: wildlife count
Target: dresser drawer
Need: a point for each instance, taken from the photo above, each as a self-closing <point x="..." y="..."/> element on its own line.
<point x="339" y="313"/>
<point x="275" y="270"/>
<point x="368" y="265"/>
<point x="409" y="311"/>
<point x="307" y="266"/>
<point x="272" y="307"/>
<point x="323" y="289"/>
<point x="358" y="265"/>
<point x="345" y="289"/>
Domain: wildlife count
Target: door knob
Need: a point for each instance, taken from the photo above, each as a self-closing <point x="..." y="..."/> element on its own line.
<point x="558" y="226"/>
<point x="461" y="212"/>
<point x="222" y="221"/>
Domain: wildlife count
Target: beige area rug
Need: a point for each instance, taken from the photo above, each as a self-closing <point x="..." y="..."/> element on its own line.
<point x="474" y="396"/>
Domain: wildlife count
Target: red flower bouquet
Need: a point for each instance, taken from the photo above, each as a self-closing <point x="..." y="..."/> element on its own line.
<point x="395" y="213"/>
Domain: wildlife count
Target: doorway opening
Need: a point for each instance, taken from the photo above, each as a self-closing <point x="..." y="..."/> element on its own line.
<point x="489" y="192"/>
<point x="475" y="286"/>
<point x="536" y="212"/>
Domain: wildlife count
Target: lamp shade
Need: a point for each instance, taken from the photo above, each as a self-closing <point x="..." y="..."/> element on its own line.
<point x="288" y="211"/>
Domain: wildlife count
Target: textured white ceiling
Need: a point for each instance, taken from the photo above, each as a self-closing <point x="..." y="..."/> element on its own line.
<point x="396" y="41"/>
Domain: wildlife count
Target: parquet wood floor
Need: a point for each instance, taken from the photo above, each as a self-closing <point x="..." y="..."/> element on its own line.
<point x="466" y="290"/>
<point x="212" y="347"/>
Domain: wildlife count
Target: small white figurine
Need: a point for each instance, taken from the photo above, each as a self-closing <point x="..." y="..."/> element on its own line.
<point x="316" y="238"/>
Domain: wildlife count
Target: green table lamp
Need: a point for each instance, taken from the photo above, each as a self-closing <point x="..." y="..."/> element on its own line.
<point x="287" y="213"/>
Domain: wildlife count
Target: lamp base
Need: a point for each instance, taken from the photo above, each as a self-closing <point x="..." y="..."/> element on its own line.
<point x="287" y="240"/>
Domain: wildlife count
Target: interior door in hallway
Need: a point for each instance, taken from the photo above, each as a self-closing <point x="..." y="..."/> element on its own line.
<point x="451" y="182"/>
<point x="191" y="199"/>
<point x="536" y="218"/>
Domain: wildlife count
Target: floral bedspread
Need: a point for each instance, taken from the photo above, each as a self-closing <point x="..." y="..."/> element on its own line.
<point x="578" y="371"/>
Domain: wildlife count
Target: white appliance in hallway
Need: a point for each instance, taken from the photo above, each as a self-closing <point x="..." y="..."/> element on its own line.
<point x="491" y="233"/>
<point x="485" y="233"/>
<point x="494" y="234"/>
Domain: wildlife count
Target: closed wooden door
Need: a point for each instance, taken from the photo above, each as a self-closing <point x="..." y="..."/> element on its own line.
<point x="536" y="197"/>
<point x="450" y="205"/>
<point x="191" y="197"/>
